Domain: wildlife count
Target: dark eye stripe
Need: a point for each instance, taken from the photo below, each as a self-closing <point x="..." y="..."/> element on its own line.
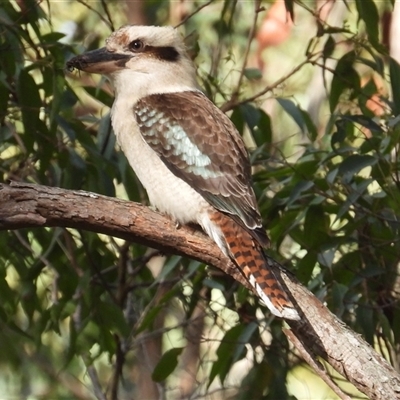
<point x="167" y="53"/>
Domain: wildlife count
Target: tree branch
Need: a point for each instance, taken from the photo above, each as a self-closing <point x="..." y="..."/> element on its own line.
<point x="25" y="205"/>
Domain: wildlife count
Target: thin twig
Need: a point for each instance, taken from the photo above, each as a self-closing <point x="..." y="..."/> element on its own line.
<point x="39" y="257"/>
<point x="77" y="320"/>
<point x="252" y="32"/>
<point x="120" y="297"/>
<point x="104" y="4"/>
<point x="119" y="363"/>
<point x="95" y="382"/>
<point x="95" y="268"/>
<point x="232" y="104"/>
<point x="77" y="389"/>
<point x="194" y="12"/>
<point x="84" y="3"/>
<point x="315" y="364"/>
<point x="122" y="271"/>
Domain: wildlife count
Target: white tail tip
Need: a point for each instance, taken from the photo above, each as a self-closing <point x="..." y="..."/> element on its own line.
<point x="290" y="313"/>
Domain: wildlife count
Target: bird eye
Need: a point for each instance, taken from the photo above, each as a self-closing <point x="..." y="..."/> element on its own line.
<point x="136" y="45"/>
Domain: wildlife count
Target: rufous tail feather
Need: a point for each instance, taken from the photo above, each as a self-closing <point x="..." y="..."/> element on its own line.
<point x="248" y="255"/>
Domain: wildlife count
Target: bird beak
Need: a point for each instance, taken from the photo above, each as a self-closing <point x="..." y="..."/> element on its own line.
<point x="99" y="61"/>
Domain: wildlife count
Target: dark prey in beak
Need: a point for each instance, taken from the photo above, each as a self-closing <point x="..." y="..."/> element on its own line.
<point x="99" y="61"/>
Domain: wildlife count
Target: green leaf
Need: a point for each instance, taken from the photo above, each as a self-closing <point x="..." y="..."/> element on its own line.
<point x="8" y="297"/>
<point x="238" y="119"/>
<point x="229" y="351"/>
<point x="166" y="365"/>
<point x="345" y="78"/>
<point x="52" y="37"/>
<point x="4" y="93"/>
<point x="294" y="111"/>
<point x="250" y="114"/>
<point x="289" y="5"/>
<point x="263" y="133"/>
<point x="369" y="14"/>
<point x="386" y="329"/>
<point x="355" y="163"/>
<point x="148" y="318"/>
<point x="169" y="266"/>
<point x="305" y="267"/>
<point x="377" y="64"/>
<point x="12" y="59"/>
<point x="353" y="197"/>
<point x="252" y="74"/>
<point x="329" y="47"/>
<point x="105" y="138"/>
<point x="257" y="382"/>
<point x="381" y="172"/>
<point x="396" y="322"/>
<point x="306" y="169"/>
<point x="30" y="102"/>
<point x="316" y="226"/>
<point x="365" y="121"/>
<point x="243" y="340"/>
<point x="298" y="190"/>
<point x="58" y="90"/>
<point x="340" y="134"/>
<point x="312" y="130"/>
<point x="213" y="284"/>
<point x="112" y="318"/>
<point x="100" y="95"/>
<point x="32" y="13"/>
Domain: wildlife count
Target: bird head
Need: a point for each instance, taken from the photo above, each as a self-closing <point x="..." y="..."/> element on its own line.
<point x="150" y="57"/>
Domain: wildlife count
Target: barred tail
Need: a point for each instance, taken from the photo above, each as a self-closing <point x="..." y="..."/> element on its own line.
<point x="250" y="259"/>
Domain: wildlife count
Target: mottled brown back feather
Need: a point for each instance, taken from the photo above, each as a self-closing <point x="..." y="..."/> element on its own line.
<point x="227" y="186"/>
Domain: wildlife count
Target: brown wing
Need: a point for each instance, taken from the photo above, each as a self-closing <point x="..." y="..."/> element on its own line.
<point x="200" y="144"/>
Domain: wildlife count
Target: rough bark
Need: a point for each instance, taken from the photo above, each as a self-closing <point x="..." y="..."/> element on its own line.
<point x="321" y="333"/>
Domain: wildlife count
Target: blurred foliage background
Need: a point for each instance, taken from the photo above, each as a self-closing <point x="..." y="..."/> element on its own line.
<point x="315" y="93"/>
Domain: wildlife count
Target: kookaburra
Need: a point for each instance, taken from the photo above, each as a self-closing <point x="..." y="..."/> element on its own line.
<point x="185" y="151"/>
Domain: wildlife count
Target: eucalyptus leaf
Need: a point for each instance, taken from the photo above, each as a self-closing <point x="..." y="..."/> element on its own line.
<point x="167" y="364"/>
